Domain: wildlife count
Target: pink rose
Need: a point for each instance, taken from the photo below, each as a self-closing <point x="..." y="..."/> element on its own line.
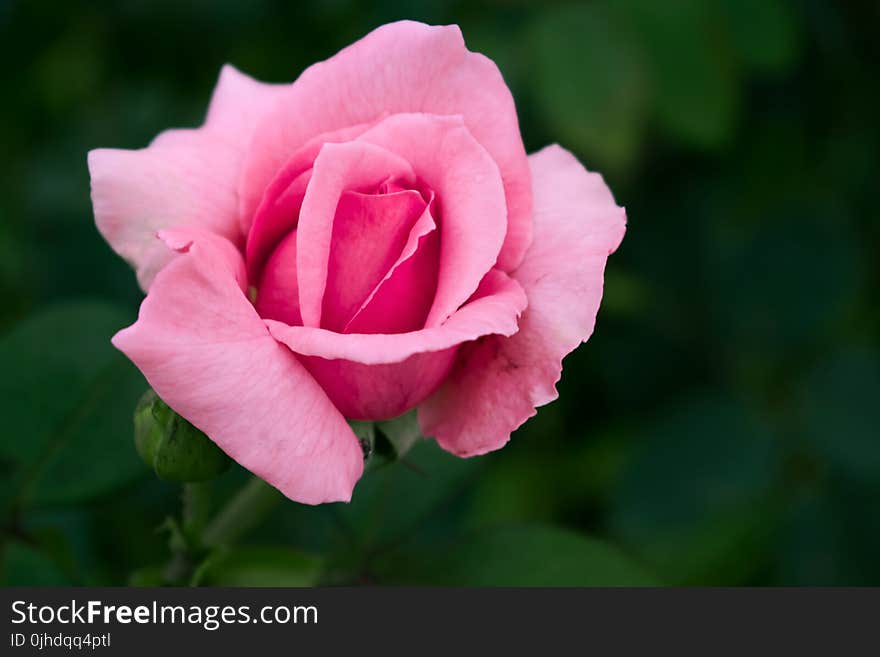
<point x="369" y="239"/>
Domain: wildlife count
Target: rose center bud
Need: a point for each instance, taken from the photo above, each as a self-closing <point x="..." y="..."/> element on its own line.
<point x="381" y="273"/>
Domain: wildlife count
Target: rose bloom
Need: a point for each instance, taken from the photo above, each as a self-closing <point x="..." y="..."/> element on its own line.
<point x="369" y="239"/>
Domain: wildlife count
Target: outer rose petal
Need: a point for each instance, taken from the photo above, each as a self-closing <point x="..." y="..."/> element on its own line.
<point x="497" y="382"/>
<point x="398" y="68"/>
<point x="380" y="392"/>
<point x="389" y="374"/>
<point x="206" y="352"/>
<point x="184" y="178"/>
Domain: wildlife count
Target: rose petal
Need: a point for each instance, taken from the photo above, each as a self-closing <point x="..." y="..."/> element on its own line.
<point x="276" y="222"/>
<point x="380" y="392"/>
<point x="206" y="352"/>
<point x="402" y="299"/>
<point x="279" y="208"/>
<point x="401" y="67"/>
<point x="184" y="178"/>
<point x="370" y="232"/>
<point x="278" y="290"/>
<point x="493" y="310"/>
<point x="497" y="382"/>
<point x="472" y="215"/>
<point x="353" y="165"/>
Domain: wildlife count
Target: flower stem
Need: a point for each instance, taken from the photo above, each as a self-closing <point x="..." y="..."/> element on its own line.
<point x="196" y="509"/>
<point x="243" y="512"/>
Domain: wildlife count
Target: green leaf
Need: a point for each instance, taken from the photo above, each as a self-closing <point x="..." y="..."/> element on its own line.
<point x="773" y="294"/>
<point x="841" y="420"/>
<point x="27" y="565"/>
<point x="67" y="411"/>
<point x="696" y="90"/>
<point x="830" y="534"/>
<point x="588" y="82"/>
<point x="532" y="556"/>
<point x="764" y="32"/>
<point x="813" y="545"/>
<point x="259" y="566"/>
<point x="686" y="502"/>
<point x="148" y="576"/>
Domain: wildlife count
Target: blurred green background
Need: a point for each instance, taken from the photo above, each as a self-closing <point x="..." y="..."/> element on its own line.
<point x="720" y="427"/>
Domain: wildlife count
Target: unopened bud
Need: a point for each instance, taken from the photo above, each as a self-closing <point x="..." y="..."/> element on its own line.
<point x="173" y="447"/>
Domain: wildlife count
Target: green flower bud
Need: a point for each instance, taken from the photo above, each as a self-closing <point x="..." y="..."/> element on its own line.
<point x="173" y="447"/>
